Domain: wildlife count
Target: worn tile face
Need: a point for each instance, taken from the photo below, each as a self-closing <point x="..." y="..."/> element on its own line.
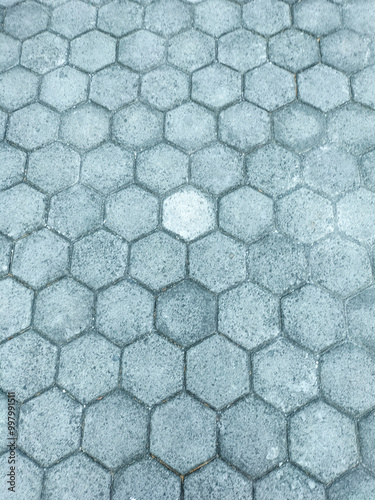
<point x="78" y="476"/>
<point x="224" y="365"/>
<point x="63" y="310"/>
<point x="89" y="367"/>
<point x="323" y="441"/>
<point x="183" y="433"/>
<point x="115" y="415"/>
<point x="187" y="248"/>
<point x="152" y="369"/>
<point x="39" y="419"/>
<point x="253" y="436"/>
<point x="145" y="479"/>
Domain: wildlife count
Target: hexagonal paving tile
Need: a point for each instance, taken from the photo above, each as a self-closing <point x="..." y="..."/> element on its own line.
<point x="49" y="426"/>
<point x="273" y="169"/>
<point x="191" y="50"/>
<point x="186" y="313"/>
<point x="63" y="310"/>
<point x="348" y="378"/>
<point x="293" y="50"/>
<point x="362" y="88"/>
<point x="44" y="52"/>
<point x="357" y="19"/>
<point x="305" y="215"/>
<point x="124" y="312"/>
<point x="244" y="126"/>
<point x="253" y="436"/>
<point x="32" y="369"/>
<point x="119" y="18"/>
<point x="92" y="51"/>
<point x="141" y="208"/>
<point x="167" y="17"/>
<point x="183" y="433"/>
<point x="323" y="441"/>
<point x="165" y="87"/>
<point x="319" y="17"/>
<point x="162" y="168"/>
<point x="246" y="214"/>
<point x="77" y="477"/>
<point x="277" y="263"/>
<point x="142" y="50"/>
<point x="12" y="165"/>
<point x="89" y="367"/>
<point x="267" y="17"/>
<point x="345" y="50"/>
<point x="340" y="265"/>
<point x="15" y="311"/>
<point x="115" y="415"/>
<point x="188" y="213"/>
<point x="18" y="87"/>
<point x="269" y="86"/>
<point x="367" y="440"/>
<point x="217" y="480"/>
<point x="23" y="210"/>
<point x="107" y="167"/>
<point x="361" y="317"/>
<point x="216" y="86"/>
<point x="53" y="167"/>
<point x="99" y="259"/>
<point x="145" y="479"/>
<point x="33" y="126"/>
<point x="85" y="126"/>
<point x="299" y="126"/>
<point x="217" y="261"/>
<point x="137" y="126"/>
<point x="323" y="87"/>
<point x="152" y="369"/>
<point x="330" y="170"/>
<point x="357" y="483"/>
<point x="313" y="318"/>
<point x="73" y="18"/>
<point x="217" y="371"/>
<point x="158" y="260"/>
<point x="113" y="87"/>
<point x="26" y="19"/>
<point x="10" y="51"/>
<point x="285" y="375"/>
<point x="75" y="211"/>
<point x="216" y="168"/>
<point x="40" y="258"/>
<point x="64" y="87"/>
<point x="288" y="482"/>
<point x="233" y="47"/>
<point x="227" y="17"/>
<point x="190" y="126"/>
<point x="29" y="480"/>
<point x="356" y="215"/>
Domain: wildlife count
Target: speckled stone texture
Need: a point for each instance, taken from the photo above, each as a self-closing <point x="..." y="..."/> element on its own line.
<point x="187" y="249"/>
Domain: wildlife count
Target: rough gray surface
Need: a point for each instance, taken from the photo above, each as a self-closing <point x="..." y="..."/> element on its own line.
<point x="187" y="248"/>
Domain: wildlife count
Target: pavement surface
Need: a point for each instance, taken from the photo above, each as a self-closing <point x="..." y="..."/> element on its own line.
<point x="187" y="231"/>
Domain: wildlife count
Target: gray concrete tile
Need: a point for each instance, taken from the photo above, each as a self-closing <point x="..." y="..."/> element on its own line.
<point x="186" y="313"/>
<point x="253" y="436"/>
<point x="183" y="433"/>
<point x="152" y="369"/>
<point x="322" y="441"/>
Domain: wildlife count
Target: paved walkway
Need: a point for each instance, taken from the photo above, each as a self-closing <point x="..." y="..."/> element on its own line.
<point x="187" y="231"/>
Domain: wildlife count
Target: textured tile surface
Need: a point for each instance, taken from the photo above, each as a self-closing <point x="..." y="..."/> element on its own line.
<point x="187" y="248"/>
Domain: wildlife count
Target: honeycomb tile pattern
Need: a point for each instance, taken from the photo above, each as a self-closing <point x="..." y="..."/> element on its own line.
<point x="187" y="248"/>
